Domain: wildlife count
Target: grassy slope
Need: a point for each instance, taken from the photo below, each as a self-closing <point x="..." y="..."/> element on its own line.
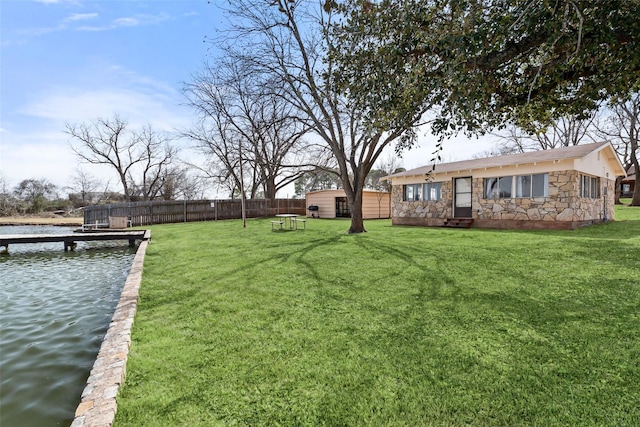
<point x="397" y="326"/>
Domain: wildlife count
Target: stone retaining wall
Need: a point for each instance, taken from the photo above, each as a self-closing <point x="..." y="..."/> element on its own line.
<point x="98" y="402"/>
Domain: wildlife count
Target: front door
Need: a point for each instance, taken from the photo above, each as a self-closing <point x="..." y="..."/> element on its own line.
<point x="342" y="208"/>
<point x="462" y="197"/>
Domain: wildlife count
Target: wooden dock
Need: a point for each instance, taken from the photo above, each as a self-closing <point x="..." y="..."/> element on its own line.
<point x="70" y="239"/>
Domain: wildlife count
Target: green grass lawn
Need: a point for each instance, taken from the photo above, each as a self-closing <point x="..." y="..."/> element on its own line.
<point x="400" y="326"/>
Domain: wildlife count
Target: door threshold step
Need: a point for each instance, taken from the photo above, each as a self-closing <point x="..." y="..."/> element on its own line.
<point x="458" y="222"/>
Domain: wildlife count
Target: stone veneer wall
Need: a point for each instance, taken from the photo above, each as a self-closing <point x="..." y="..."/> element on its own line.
<point x="98" y="405"/>
<point x="421" y="212"/>
<point x="563" y="208"/>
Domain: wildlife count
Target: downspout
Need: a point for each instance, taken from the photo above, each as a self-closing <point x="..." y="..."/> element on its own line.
<point x="606" y="191"/>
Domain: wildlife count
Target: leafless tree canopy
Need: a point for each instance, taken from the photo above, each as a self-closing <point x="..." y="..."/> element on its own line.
<point x="83" y="187"/>
<point x="139" y="157"/>
<point x="288" y="41"/>
<point x="622" y="127"/>
<point x="245" y="122"/>
<point x="532" y="136"/>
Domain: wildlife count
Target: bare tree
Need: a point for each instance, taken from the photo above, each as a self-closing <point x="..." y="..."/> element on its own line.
<point x="215" y="172"/>
<point x="533" y="136"/>
<point x="389" y="165"/>
<point x="180" y="183"/>
<point x="386" y="166"/>
<point x="138" y="158"/>
<point x="222" y="148"/>
<point x="8" y="203"/>
<point x="82" y="187"/>
<point x="503" y="148"/>
<point x="288" y="40"/>
<point x="254" y="114"/>
<point x="157" y="155"/>
<point x="315" y="180"/>
<point x="622" y="127"/>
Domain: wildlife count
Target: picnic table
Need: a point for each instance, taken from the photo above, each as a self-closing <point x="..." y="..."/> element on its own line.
<point x="293" y="221"/>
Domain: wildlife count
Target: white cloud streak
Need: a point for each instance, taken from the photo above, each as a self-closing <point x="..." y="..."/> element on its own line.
<point x="72" y="23"/>
<point x="34" y="143"/>
<point x="80" y="17"/>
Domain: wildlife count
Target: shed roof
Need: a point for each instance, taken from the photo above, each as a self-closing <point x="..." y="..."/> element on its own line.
<point x="564" y="153"/>
<point x="340" y="190"/>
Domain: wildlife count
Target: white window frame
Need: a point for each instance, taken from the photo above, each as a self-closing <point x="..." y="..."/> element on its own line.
<point x="515" y="193"/>
<point x="590" y="187"/>
<point x="416" y="190"/>
<point x="428" y="188"/>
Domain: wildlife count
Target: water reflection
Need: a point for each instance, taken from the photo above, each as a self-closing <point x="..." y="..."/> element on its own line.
<point x="55" y="308"/>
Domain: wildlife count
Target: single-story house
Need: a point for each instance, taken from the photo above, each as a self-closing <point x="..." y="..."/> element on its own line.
<point x="628" y="184"/>
<point x="333" y="204"/>
<point x="562" y="188"/>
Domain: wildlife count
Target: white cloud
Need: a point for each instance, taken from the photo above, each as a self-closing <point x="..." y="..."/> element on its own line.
<point x="80" y="17"/>
<point x="125" y="22"/>
<point x="37" y="155"/>
<point x="45" y="152"/>
<point x="73" y="105"/>
<point x="34" y="143"/>
<point x="76" y="2"/>
<point x="128" y="21"/>
<point x="41" y="31"/>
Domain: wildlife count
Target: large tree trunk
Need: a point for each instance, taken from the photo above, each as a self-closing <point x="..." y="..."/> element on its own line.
<point x="635" y="200"/>
<point x="355" y="207"/>
<point x="618" y="191"/>
<point x="269" y="188"/>
<point x="125" y="187"/>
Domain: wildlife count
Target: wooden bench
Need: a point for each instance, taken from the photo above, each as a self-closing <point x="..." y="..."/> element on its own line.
<point x="297" y="220"/>
<point x="273" y="224"/>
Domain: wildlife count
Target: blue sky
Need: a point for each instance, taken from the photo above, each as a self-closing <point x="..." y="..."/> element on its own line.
<point x="72" y="61"/>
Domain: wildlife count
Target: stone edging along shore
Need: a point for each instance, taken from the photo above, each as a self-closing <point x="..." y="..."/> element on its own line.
<point x="98" y="406"/>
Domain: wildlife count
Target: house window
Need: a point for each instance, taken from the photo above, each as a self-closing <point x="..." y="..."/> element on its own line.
<point x="412" y="192"/>
<point x="590" y="187"/>
<point x="532" y="185"/>
<point x="498" y="188"/>
<point x="432" y="191"/>
<point x="506" y="187"/>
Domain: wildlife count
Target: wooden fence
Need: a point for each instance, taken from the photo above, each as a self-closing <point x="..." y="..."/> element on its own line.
<point x="164" y="212"/>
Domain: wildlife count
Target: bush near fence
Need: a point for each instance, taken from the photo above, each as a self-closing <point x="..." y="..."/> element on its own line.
<point x="164" y="212"/>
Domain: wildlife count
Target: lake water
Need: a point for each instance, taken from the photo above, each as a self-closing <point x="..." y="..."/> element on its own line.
<point x="55" y="308"/>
